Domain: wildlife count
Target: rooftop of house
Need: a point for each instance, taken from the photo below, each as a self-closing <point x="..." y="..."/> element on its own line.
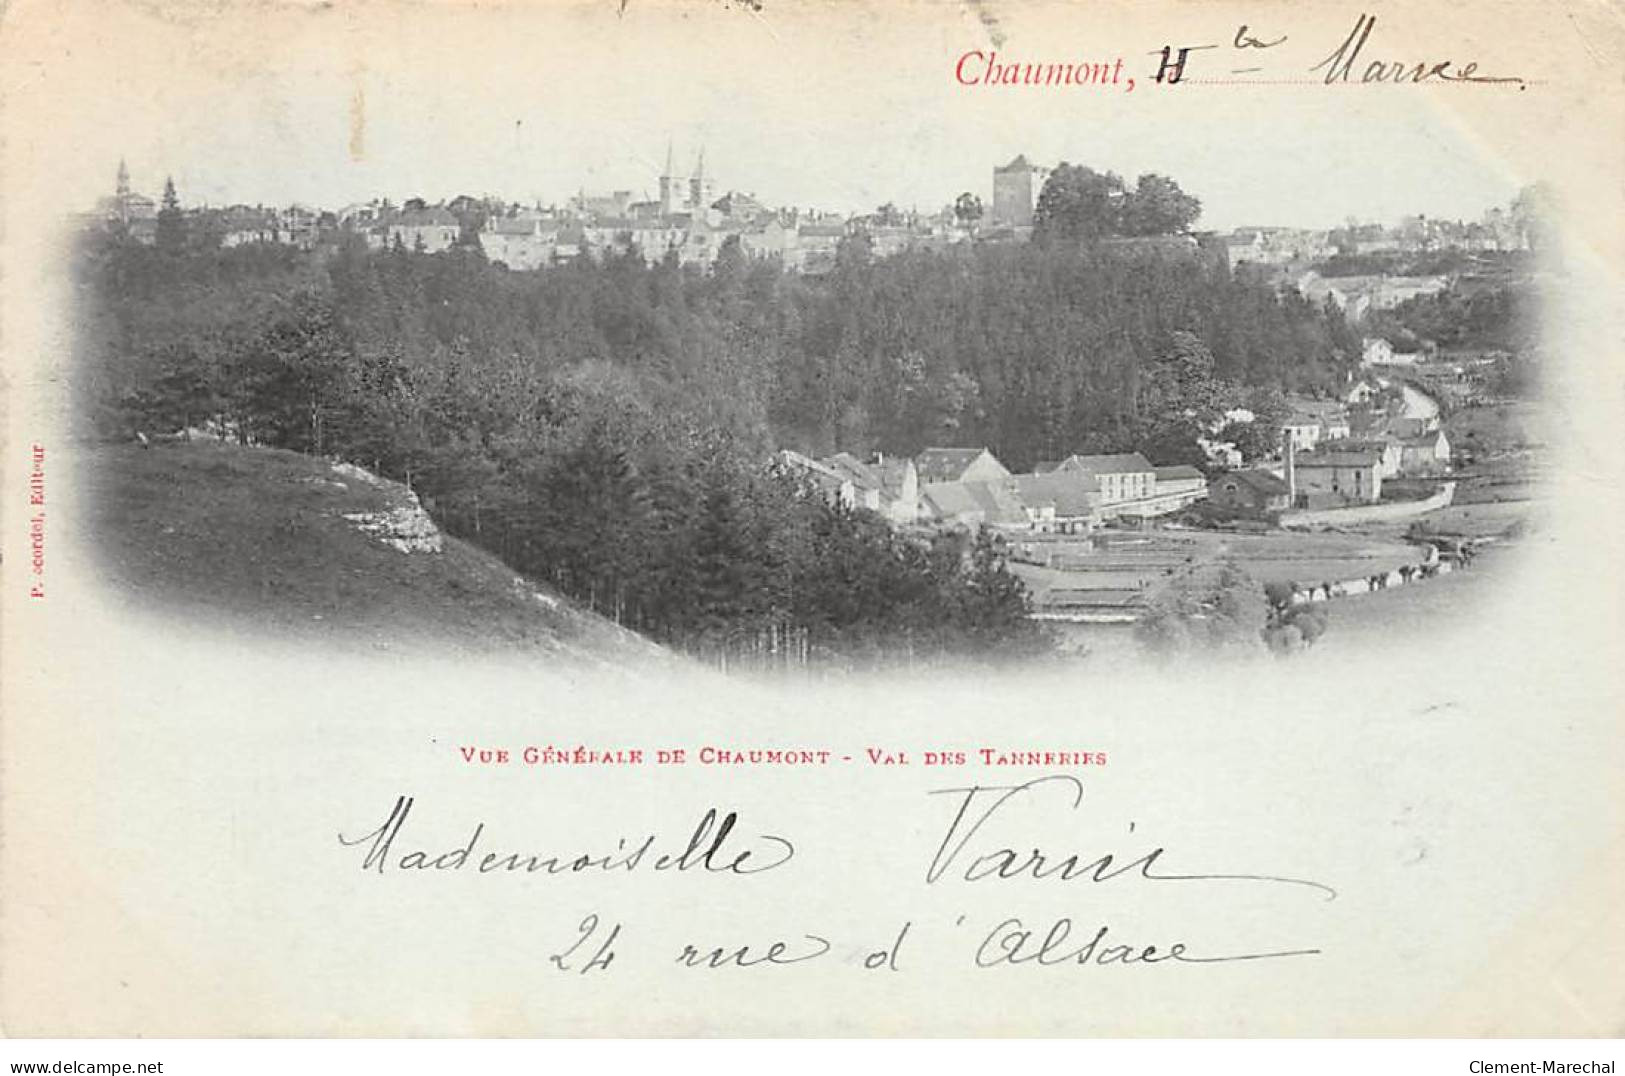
<point x="1173" y="474"/>
<point x="1111" y="463"/>
<point x="813" y="468"/>
<point x="513" y="225"/>
<point x="1304" y="406"/>
<point x="1337" y="459"/>
<point x="1069" y="493"/>
<point x="421" y="218"/>
<point x="996" y="501"/>
<point x="946" y="464"/>
<point x="1263" y="482"/>
<point x="862" y="475"/>
<point x="886" y="474"/>
<point x="1355" y="444"/>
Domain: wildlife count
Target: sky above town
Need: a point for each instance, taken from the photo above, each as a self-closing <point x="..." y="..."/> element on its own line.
<point x="834" y="108"/>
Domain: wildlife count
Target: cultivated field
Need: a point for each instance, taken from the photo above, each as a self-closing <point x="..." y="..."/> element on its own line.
<point x="1125" y="561"/>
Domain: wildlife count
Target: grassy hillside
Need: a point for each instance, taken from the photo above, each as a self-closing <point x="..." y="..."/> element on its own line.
<point x="259" y="537"/>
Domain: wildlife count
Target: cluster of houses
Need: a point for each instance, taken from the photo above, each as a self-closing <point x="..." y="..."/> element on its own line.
<point x="1338" y="453"/>
<point x="686" y="219"/>
<point x="1334" y="453"/>
<point x="1358" y="296"/>
<point x="1498" y="230"/>
<point x="963" y="488"/>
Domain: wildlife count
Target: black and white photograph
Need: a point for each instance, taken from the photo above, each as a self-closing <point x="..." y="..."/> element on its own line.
<point x="1051" y="416"/>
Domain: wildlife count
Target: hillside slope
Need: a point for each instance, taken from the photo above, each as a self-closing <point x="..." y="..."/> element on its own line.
<point x="295" y="546"/>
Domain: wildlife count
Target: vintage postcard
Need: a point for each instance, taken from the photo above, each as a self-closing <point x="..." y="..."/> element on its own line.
<point x="789" y="518"/>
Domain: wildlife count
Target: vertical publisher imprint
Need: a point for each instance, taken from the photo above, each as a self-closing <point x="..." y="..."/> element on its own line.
<point x="36" y="521"/>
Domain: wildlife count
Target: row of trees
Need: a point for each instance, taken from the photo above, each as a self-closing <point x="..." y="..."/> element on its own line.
<point x="655" y="507"/>
<point x="1079" y="204"/>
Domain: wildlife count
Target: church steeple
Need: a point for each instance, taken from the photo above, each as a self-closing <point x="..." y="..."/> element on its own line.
<point x="699" y="188"/>
<point x="668" y="185"/>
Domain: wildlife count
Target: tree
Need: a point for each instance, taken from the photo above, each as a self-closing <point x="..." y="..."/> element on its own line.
<point x="1078" y="204"/>
<point x="1295" y="627"/>
<point x="1158" y="206"/>
<point x="1260" y="438"/>
<point x="1181" y="388"/>
<point x="996" y="607"/>
<point x="1534" y="214"/>
<point x="968" y="209"/>
<point x="1206" y="607"/>
<point x="171" y="232"/>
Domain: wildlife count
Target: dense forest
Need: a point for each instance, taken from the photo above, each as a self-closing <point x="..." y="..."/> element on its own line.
<point x="609" y="425"/>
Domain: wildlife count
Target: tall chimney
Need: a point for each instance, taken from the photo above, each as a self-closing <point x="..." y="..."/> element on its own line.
<point x="1291" y="449"/>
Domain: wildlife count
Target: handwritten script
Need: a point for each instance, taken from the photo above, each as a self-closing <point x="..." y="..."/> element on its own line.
<point x="962" y="852"/>
<point x="1356" y="60"/>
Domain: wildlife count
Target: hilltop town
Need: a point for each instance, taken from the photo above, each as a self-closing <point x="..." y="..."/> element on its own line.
<point x="687" y="218"/>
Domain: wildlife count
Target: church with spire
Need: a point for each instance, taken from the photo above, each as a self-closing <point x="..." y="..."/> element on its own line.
<point x="676" y="196"/>
<point x="125" y="206"/>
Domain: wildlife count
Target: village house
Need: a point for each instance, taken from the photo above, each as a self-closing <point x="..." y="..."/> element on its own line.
<point x="1267" y="246"/>
<point x="1123" y="476"/>
<point x="1357" y="296"/>
<point x="834" y="487"/>
<point x="993" y="503"/>
<point x="241" y="225"/>
<point x="1314" y="421"/>
<point x="1253" y="492"/>
<point x="1375" y="351"/>
<point x="699" y="243"/>
<point x="298" y="226"/>
<point x="521" y="242"/>
<point x="1388" y="450"/>
<point x="430" y="230"/>
<point x="1380" y="425"/>
<point x="360" y="215"/>
<point x="1379" y="352"/>
<point x="767" y="239"/>
<point x="1364" y="392"/>
<point x="739" y="208"/>
<point x="1060" y="502"/>
<point x="814" y="248"/>
<point x="936" y="465"/>
<point x="888" y="486"/>
<point x="1178" y="487"/>
<point x="571" y="242"/>
<point x="1333" y="479"/>
<point x="1302" y="431"/>
<point x="613" y="204"/>
<point x="1425" y="454"/>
